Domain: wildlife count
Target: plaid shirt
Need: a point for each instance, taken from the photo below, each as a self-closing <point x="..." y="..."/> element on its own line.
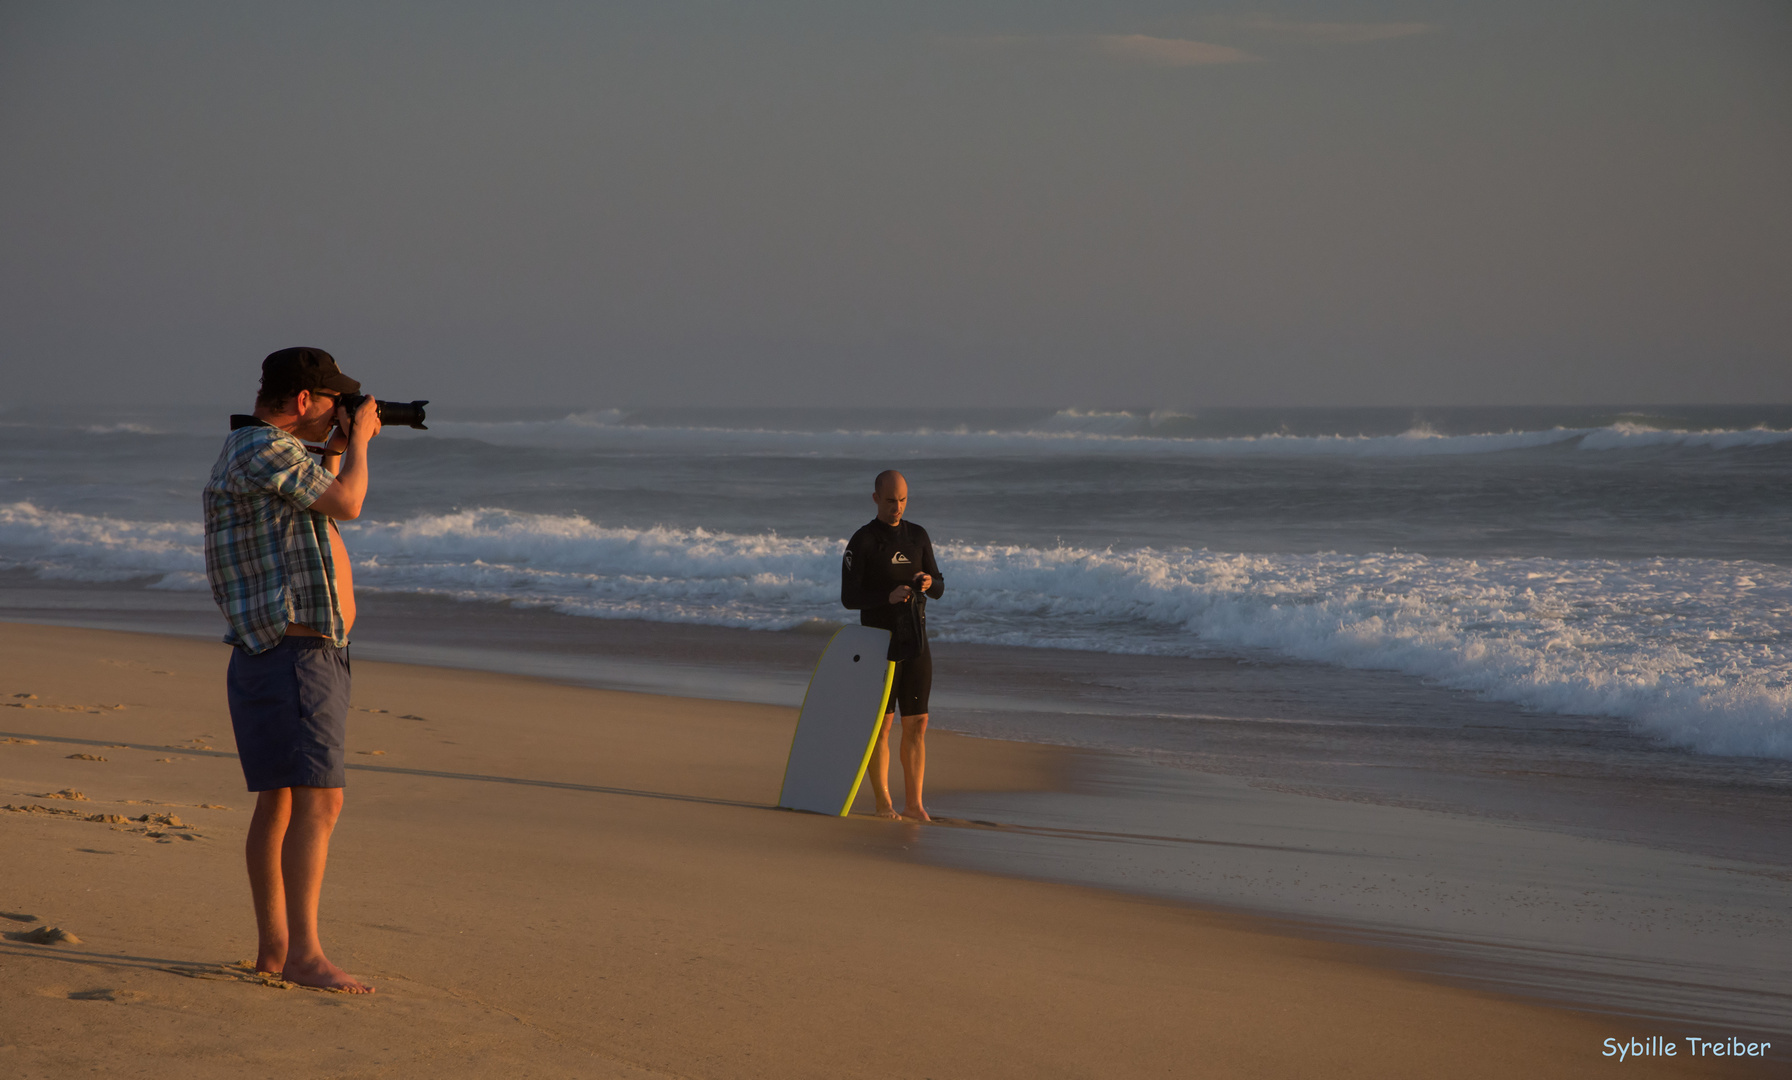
<point x="267" y="554"/>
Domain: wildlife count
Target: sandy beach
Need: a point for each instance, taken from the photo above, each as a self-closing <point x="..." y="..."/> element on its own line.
<point x="550" y="880"/>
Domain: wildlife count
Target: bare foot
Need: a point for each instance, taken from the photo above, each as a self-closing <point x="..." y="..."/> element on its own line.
<point x="269" y="962"/>
<point x="919" y="813"/>
<point x="325" y="976"/>
<point x="886" y="811"/>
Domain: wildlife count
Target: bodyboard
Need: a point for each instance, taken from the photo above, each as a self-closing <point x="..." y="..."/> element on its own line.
<point x="838" y="724"/>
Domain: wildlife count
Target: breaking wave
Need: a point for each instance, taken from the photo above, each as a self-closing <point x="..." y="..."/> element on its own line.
<point x="1694" y="651"/>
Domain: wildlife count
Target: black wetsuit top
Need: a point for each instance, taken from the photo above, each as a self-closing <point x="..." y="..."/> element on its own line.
<point x="878" y="558"/>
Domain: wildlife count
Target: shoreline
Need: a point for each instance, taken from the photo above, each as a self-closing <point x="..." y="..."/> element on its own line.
<point x="706" y="764"/>
<point x="1336" y="733"/>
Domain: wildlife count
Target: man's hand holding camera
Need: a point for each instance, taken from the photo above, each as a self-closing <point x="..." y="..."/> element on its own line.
<point x="345" y="455"/>
<point x="364" y="422"/>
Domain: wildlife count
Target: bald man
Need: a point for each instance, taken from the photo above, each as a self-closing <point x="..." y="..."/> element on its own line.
<point x="886" y="575"/>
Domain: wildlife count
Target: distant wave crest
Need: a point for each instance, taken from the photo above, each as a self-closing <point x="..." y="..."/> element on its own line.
<point x="1083" y="433"/>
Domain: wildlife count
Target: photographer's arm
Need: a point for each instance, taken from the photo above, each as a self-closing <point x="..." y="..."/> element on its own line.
<point x="346" y="456"/>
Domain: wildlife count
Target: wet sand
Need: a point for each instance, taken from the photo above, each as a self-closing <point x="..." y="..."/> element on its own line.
<point x="561" y="881"/>
<point x="1335" y="733"/>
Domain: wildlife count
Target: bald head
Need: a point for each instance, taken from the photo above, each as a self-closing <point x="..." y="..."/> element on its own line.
<point x="890" y="493"/>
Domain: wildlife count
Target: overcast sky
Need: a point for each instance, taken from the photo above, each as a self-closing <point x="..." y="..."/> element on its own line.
<point x="1029" y="203"/>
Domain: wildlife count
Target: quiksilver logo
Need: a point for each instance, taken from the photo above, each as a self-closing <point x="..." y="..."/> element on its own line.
<point x="899" y="559"/>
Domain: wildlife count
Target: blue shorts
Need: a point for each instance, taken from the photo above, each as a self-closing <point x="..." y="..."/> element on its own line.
<point x="289" y="708"/>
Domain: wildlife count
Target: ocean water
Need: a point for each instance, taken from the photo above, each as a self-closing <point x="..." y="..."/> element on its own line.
<point x="1627" y="564"/>
<point x="1511" y="688"/>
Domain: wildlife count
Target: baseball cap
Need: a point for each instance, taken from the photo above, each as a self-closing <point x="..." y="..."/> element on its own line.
<point x="305" y="369"/>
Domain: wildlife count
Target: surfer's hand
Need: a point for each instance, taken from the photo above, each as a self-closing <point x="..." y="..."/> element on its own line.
<point x="923" y="582"/>
<point x="899" y="594"/>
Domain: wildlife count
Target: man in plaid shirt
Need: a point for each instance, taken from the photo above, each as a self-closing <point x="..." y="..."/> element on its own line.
<point x="280" y="574"/>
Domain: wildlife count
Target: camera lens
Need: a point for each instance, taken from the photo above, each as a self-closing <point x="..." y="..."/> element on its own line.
<point x="397" y="413"/>
<point x="403" y="413"/>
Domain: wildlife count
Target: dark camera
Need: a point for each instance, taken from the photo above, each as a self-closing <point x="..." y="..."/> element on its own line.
<point x="399" y="413"/>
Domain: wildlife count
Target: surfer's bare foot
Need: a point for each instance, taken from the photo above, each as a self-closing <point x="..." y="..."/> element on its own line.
<point x="268" y="963"/>
<point x="324" y="976"/>
<point x="888" y="813"/>
<point x="919" y="813"/>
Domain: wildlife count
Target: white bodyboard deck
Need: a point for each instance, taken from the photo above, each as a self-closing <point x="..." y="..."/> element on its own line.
<point x="834" y="732"/>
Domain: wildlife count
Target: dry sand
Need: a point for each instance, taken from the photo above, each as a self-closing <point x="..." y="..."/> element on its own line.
<point x="546" y="880"/>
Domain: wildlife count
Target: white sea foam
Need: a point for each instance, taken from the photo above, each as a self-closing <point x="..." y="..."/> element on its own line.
<point x="80" y="547"/>
<point x="121" y="429"/>
<point x="1695" y="651"/>
<point x="1626" y="436"/>
<point x="1076" y="432"/>
<point x="1094" y="422"/>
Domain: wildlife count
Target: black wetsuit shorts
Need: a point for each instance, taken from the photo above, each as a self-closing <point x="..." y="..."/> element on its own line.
<point x="913" y="684"/>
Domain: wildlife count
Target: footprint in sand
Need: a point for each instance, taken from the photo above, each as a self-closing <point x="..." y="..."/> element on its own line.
<point x="36" y="809"/>
<point x="164" y="828"/>
<point x="158" y="827"/>
<point x="17" y="916"/>
<point x="107" y="994"/>
<point x="65" y="793"/>
<point x="22" y="742"/>
<point x="241" y="971"/>
<point x="47" y="935"/>
<point x="109" y="819"/>
<point x="28" y="697"/>
<point x="85" y="757"/>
